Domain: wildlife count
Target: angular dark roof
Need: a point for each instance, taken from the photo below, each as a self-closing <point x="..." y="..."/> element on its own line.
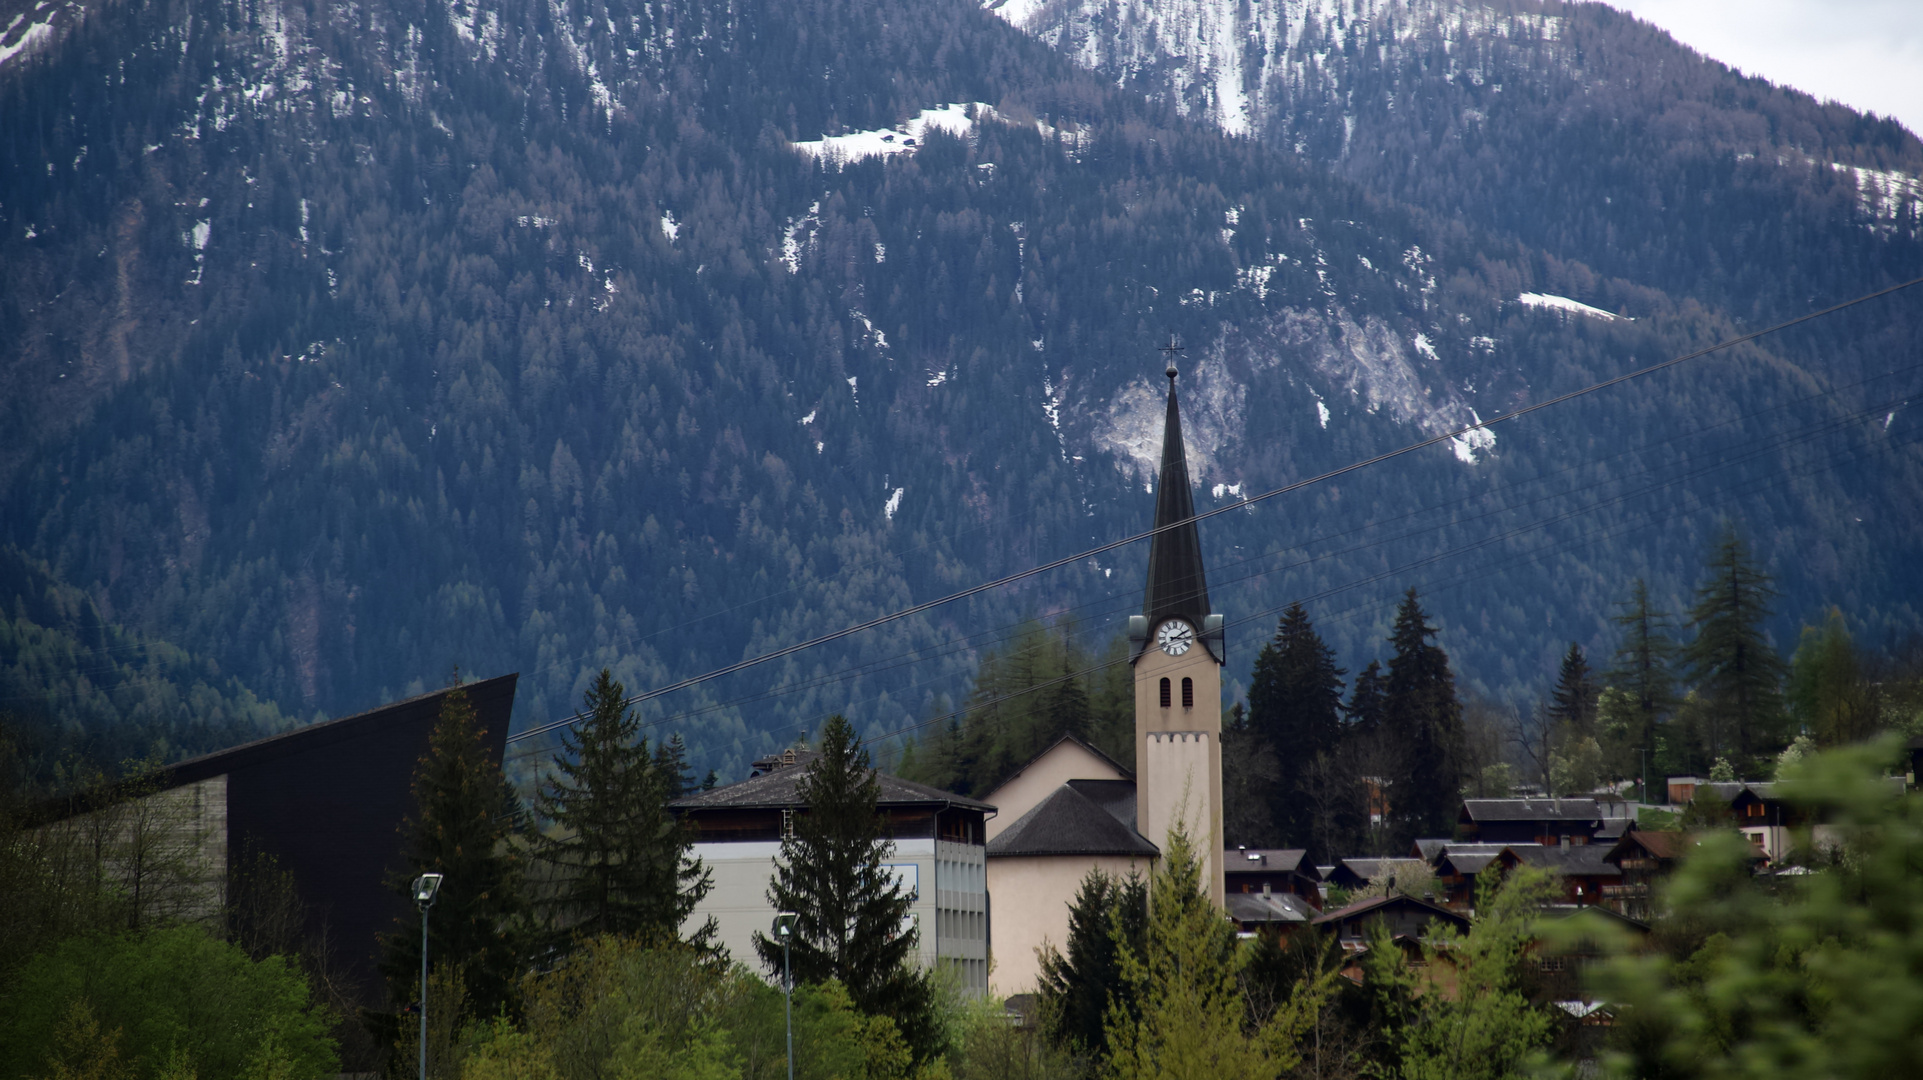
<point x="1366" y="870"/>
<point x="1375" y="903"/>
<point x="1268" y="908"/>
<point x="1115" y="796"/>
<point x="1430" y="850"/>
<point x="779" y="790"/>
<point x="1576" y="859"/>
<point x="1267" y="861"/>
<point x="1176" y="583"/>
<point x="1658" y="843"/>
<point x="1480" y="810"/>
<point x="1070" y="823"/>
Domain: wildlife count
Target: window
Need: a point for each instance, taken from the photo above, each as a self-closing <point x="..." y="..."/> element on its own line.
<point x="1165" y="699"/>
<point x="1188" y="693"/>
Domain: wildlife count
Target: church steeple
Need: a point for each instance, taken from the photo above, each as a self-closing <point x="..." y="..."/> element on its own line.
<point x="1177" y="585"/>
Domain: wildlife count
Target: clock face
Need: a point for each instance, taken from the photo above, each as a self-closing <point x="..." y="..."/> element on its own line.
<point x="1175" y="637"/>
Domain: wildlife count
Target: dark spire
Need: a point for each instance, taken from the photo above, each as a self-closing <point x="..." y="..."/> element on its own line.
<point x="1176" y="585"/>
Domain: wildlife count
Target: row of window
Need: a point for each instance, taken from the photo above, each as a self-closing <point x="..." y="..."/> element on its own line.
<point x="1188" y="693"/>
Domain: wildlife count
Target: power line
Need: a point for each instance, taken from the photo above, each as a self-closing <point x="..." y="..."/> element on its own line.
<point x="915" y="609"/>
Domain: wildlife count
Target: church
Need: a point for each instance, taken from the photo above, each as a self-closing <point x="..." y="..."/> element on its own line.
<point x="992" y="880"/>
<point x="1073" y="809"/>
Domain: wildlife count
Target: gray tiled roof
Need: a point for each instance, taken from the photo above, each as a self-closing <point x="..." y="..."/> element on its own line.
<point x="1531" y="810"/>
<point x="779" y="790"/>
<point x="1267" y="860"/>
<point x="1574" y="859"/>
<point x="1115" y="796"/>
<point x="1268" y="908"/>
<point x="1070" y="823"/>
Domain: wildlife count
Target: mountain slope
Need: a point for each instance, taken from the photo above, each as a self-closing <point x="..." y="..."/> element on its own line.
<point x="345" y="345"/>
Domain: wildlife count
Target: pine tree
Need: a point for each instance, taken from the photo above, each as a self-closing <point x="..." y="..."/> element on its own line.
<point x="1573" y="702"/>
<point x="1738" y="676"/>
<point x="1643" y="666"/>
<point x="461" y="827"/>
<point x="1078" y="987"/>
<point x="1193" y="1021"/>
<point x="849" y="911"/>
<point x="1421" y="712"/>
<point x="1295" y="705"/>
<point x="621" y="862"/>
<point x="1827" y="692"/>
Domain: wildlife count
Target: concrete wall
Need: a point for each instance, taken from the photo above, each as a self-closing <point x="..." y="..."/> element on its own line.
<point x="1026" y="789"/>
<point x="1031" y="896"/>
<point x="950" y="908"/>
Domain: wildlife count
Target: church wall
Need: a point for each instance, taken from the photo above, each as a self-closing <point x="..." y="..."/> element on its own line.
<point x="1178" y="753"/>
<point x="1026" y="789"/>
<point x="1029" y="898"/>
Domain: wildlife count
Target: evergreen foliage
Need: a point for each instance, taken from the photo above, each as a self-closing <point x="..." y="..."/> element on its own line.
<point x="1828" y="695"/>
<point x="1806" y="976"/>
<point x="1194" y="1022"/>
<point x="621" y="863"/>
<point x="1081" y="986"/>
<point x="1738" y="676"/>
<point x="1487" y="1028"/>
<point x="462" y="827"/>
<point x="1044" y="685"/>
<point x="1573" y="702"/>
<point x="1295" y="705"/>
<point x="1420" y="709"/>
<point x="1644" y="665"/>
<point x="850" y="913"/>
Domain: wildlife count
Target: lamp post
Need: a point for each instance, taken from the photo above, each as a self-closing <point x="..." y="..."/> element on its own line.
<point x="784" y="929"/>
<point x="425" y="888"/>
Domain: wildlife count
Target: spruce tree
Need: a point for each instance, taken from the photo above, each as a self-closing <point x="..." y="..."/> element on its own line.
<point x="1295" y="705"/>
<point x="621" y="863"/>
<point x="1738" y="676"/>
<point x="1080" y="986"/>
<point x="462" y="826"/>
<point x="1644" y="663"/>
<point x="849" y="910"/>
<point x="1421" y="713"/>
<point x="1573" y="702"/>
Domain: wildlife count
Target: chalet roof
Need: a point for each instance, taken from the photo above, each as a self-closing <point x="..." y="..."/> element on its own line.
<point x="1660" y="844"/>
<point x="1486" y="810"/>
<point x="1380" y="903"/>
<point x="1429" y="850"/>
<point x="1267" y="861"/>
<point x="1467" y="863"/>
<point x="1614" y="827"/>
<point x="1364" y="870"/>
<point x="1584" y="860"/>
<point x="1268" y="908"/>
<point x="1177" y="585"/>
<point x="1069" y="822"/>
<point x="780" y="790"/>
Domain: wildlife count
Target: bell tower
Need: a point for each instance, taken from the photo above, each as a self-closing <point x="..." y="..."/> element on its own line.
<point x="1177" y="646"/>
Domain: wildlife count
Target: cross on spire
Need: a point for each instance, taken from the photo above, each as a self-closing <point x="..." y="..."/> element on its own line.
<point x="1171" y="349"/>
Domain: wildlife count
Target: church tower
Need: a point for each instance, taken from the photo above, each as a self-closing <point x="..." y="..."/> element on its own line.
<point x="1177" y="647"/>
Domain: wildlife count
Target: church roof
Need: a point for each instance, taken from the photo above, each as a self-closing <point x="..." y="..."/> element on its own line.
<point x="1176" y="584"/>
<point x="1069" y="822"/>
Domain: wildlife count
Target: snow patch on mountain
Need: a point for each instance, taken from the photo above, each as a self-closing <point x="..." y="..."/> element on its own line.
<point x="1564" y="305"/>
<point x="903" y="139"/>
<point x="1129" y="425"/>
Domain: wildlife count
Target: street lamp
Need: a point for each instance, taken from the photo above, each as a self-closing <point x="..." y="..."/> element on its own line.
<point x="425" y="888"/>
<point x="784" y="929"/>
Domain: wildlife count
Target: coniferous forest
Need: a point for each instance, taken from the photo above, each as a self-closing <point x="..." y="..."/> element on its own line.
<point x="344" y="348"/>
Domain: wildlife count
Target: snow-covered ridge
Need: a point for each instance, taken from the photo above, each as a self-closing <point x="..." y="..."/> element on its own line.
<point x="1242" y="65"/>
<point x="1566" y="306"/>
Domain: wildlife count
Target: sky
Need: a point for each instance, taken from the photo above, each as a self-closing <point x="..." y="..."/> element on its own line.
<point x="1867" y="54"/>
